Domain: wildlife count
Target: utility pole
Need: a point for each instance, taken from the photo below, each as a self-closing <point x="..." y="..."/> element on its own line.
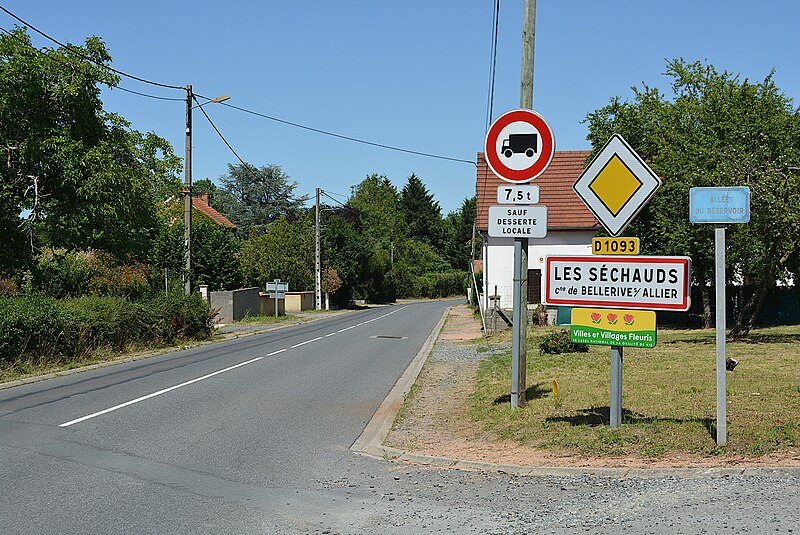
<point x="187" y="198"/>
<point x="317" y="257"/>
<point x="520" y="292"/>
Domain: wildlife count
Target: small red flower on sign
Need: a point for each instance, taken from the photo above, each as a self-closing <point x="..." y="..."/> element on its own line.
<point x="612" y="319"/>
<point x="596" y="317"/>
<point x="628" y="318"/>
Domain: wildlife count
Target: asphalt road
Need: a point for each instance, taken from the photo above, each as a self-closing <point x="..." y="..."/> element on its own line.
<point x="253" y="436"/>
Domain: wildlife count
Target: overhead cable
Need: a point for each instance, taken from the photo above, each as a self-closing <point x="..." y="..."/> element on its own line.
<point x="78" y="53"/>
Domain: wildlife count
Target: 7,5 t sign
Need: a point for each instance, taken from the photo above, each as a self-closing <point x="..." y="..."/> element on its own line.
<point x="641" y="282"/>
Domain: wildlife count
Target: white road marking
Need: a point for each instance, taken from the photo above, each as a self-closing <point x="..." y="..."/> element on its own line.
<point x="229" y="368"/>
<point x="154" y="394"/>
<point x="306" y="342"/>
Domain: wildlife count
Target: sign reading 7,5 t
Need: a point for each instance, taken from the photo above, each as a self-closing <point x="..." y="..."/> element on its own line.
<point x="518" y="194"/>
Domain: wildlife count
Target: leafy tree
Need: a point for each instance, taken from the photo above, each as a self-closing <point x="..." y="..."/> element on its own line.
<point x="87" y="179"/>
<point x="205" y="185"/>
<point x="717" y="131"/>
<point x="344" y="249"/>
<point x="459" y="224"/>
<point x="284" y="251"/>
<point x="215" y="251"/>
<point x="422" y="213"/>
<point x="253" y="197"/>
<point x="378" y="203"/>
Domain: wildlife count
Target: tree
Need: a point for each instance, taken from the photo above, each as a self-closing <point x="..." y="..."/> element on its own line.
<point x="215" y="251"/>
<point x="284" y="251"/>
<point x="344" y="249"/>
<point x="378" y="203"/>
<point x="422" y="213"/>
<point x="253" y="197"/>
<point x="85" y="177"/>
<point x="717" y="131"/>
<point x="458" y="225"/>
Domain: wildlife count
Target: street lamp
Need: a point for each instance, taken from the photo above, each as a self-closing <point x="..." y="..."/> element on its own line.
<point x="187" y="190"/>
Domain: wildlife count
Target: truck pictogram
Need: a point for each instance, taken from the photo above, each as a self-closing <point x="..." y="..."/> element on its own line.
<point x="520" y="143"/>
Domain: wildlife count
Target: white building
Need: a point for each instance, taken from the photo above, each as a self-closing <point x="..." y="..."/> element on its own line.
<point x="570" y="226"/>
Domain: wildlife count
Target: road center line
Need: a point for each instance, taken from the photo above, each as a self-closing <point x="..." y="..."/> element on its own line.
<point x="346" y="329"/>
<point x="306" y="342"/>
<point x="331" y="334"/>
<point x="276" y="352"/>
<point x="154" y="394"/>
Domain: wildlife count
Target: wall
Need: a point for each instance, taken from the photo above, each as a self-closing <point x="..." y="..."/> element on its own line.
<point x="499" y="259"/>
<point x="300" y="301"/>
<point x="234" y="305"/>
<point x="267" y="305"/>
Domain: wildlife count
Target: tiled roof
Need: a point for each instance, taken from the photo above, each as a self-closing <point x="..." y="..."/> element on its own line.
<point x="565" y="211"/>
<point x="200" y="202"/>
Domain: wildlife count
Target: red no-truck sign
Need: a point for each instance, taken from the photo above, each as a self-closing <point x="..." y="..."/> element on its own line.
<point x="519" y="146"/>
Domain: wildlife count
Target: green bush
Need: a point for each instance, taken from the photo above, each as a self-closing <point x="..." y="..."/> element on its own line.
<point x="48" y="330"/>
<point x="559" y="342"/>
<point x="435" y="285"/>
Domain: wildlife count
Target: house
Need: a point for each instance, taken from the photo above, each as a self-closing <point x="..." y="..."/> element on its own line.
<point x="570" y="226"/>
<point x="200" y="203"/>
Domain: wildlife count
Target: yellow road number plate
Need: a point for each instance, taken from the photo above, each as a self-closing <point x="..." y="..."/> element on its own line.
<point x="626" y="246"/>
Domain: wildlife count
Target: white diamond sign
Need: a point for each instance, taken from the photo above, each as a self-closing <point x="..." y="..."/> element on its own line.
<point x="616" y="185"/>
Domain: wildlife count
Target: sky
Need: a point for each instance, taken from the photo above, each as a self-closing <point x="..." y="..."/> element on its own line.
<point x="412" y="74"/>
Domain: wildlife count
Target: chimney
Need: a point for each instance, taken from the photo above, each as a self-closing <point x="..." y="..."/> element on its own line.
<point x="203" y="196"/>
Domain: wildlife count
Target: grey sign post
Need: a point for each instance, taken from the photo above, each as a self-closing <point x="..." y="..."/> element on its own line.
<point x="720" y="206"/>
<point x="277" y="290"/>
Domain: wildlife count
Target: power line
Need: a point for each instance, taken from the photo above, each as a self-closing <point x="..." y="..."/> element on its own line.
<point x="78" y="53"/>
<point x="323" y="192"/>
<point x="146" y="94"/>
<point x="347" y="138"/>
<point x="492" y="65"/>
<point x="246" y="166"/>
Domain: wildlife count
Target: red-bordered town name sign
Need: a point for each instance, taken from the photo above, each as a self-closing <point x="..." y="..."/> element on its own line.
<point x="643" y="282"/>
<point x="519" y="146"/>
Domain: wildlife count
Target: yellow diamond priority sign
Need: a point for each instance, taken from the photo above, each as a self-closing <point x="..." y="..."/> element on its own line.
<point x="616" y="185"/>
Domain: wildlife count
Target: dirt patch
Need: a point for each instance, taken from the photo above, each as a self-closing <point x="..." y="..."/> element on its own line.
<point x="434" y="421"/>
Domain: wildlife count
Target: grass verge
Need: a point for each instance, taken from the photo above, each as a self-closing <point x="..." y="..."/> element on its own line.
<point x="669" y="397"/>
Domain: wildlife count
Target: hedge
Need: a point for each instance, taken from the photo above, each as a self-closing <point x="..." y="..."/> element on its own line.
<point x="46" y="329"/>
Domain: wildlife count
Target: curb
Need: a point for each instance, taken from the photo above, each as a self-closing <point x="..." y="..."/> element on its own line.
<point x="370" y="443"/>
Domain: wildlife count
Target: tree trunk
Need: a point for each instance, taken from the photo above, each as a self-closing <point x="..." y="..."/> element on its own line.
<point x="706" y="298"/>
<point x="748" y="313"/>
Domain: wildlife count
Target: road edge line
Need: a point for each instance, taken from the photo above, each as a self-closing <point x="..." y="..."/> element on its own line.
<point x="370" y="442"/>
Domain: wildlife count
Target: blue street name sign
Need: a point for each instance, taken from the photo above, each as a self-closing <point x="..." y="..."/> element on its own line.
<point x="719" y="205"/>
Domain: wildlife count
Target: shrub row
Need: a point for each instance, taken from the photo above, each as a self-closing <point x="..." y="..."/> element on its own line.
<point x="434" y="285"/>
<point x="45" y="329"/>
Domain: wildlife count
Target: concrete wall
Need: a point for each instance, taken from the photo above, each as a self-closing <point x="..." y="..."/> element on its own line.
<point x="300" y="301"/>
<point x="499" y="258"/>
<point x="267" y="305"/>
<point x="234" y="305"/>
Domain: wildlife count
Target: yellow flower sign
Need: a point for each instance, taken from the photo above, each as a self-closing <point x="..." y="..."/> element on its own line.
<point x="613" y="327"/>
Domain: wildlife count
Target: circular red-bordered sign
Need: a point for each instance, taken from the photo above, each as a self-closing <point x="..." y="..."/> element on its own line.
<point x="519" y="146"/>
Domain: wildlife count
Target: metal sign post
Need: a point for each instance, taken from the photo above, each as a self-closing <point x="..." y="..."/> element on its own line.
<point x="722" y="380"/>
<point x="720" y="206"/>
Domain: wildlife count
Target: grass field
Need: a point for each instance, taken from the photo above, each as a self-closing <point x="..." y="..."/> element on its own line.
<point x="669" y="397"/>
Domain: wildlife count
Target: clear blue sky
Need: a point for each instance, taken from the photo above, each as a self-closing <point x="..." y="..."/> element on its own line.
<point x="412" y="73"/>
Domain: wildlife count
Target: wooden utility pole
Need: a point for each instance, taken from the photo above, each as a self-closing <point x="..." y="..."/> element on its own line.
<point x="317" y="257"/>
<point x="187" y="197"/>
<point x="520" y="292"/>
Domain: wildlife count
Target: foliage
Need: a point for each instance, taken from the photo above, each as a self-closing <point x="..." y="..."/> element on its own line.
<point x="717" y="131"/>
<point x="558" y="342"/>
<point x="214" y="251"/>
<point x="50" y="331"/>
<point x="284" y="251"/>
<point x="458" y="226"/>
<point x="86" y="178"/>
<point x="330" y="281"/>
<point x="422" y="213"/>
<point x="378" y="204"/>
<point x="345" y="251"/>
<point x="253" y="197"/>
